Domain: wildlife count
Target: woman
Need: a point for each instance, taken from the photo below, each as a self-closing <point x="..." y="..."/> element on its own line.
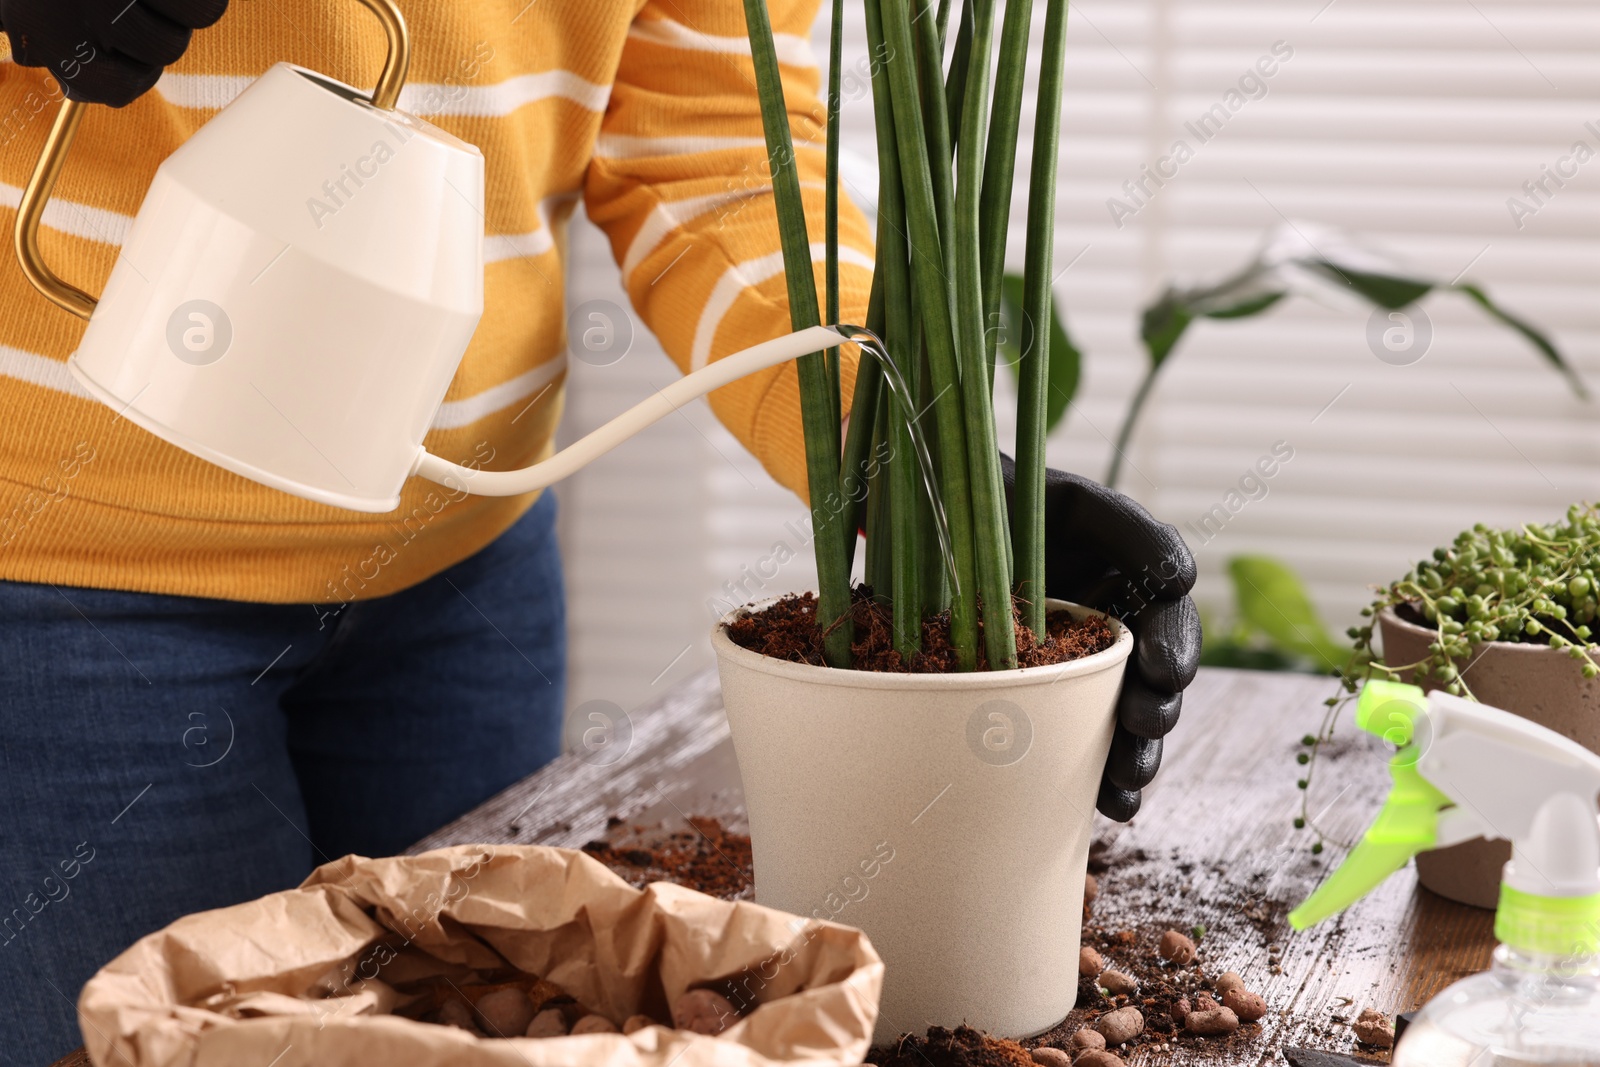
<point x="208" y="686"/>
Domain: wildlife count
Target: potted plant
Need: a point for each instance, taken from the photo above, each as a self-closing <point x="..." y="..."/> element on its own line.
<point x="922" y="755"/>
<point x="1505" y="617"/>
<point x="1310" y="260"/>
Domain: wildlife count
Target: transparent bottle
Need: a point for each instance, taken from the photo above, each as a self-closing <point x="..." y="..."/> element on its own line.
<point x="1529" y="1010"/>
<point x="1463" y="771"/>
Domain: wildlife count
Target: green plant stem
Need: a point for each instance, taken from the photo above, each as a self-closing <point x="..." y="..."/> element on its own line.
<point x="906" y="566"/>
<point x="935" y="581"/>
<point x="904" y="475"/>
<point x="1130" y="419"/>
<point x="942" y="20"/>
<point x="990" y="527"/>
<point x="955" y="86"/>
<point x="912" y="515"/>
<point x="858" y="440"/>
<point x="830" y="209"/>
<point x="818" y="411"/>
<point x="879" y="568"/>
<point x="893" y="275"/>
<point x="933" y="294"/>
<point x="930" y="75"/>
<point x="1033" y="380"/>
<point x="863" y="406"/>
<point x="1000" y="163"/>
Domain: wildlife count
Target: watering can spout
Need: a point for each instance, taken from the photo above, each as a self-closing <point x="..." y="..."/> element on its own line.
<point x="644" y="414"/>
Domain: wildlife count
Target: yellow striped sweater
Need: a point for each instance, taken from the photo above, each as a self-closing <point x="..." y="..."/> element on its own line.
<point x="644" y="109"/>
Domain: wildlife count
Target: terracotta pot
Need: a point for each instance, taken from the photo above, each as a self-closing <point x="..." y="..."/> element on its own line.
<point x="1534" y="681"/>
<point x="946" y="815"/>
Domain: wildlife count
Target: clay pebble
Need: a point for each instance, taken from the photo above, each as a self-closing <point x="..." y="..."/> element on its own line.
<point x="637" y="1022"/>
<point x="1245" y="1004"/>
<point x="1180" y="1010"/>
<point x="1228" y="980"/>
<point x="457" y="1014"/>
<point x="1087" y="1038"/>
<point x="505" y="1013"/>
<point x="1090" y="962"/>
<point x="1118" y="984"/>
<point x="1097" y="1057"/>
<point x="593" y="1024"/>
<point x="1205" y="1002"/>
<point x="704" y="1012"/>
<point x="548" y="1023"/>
<point x="1045" y="1056"/>
<point x="1214" y="1023"/>
<point x="1120" y="1025"/>
<point x="1374" y="1028"/>
<point x="1176" y="948"/>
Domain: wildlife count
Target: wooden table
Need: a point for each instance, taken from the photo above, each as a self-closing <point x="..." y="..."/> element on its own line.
<point x="1214" y="845"/>
<point x="1223" y="806"/>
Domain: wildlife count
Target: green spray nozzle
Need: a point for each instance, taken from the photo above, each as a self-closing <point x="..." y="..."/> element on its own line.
<point x="1409" y="820"/>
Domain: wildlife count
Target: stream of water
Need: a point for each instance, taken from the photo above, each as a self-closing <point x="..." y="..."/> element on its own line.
<point x="871" y="344"/>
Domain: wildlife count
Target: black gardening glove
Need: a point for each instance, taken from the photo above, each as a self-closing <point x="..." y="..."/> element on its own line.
<point x="1104" y="550"/>
<point x="104" y="51"/>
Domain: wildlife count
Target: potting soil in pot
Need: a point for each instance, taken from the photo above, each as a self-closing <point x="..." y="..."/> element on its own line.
<point x="787" y="630"/>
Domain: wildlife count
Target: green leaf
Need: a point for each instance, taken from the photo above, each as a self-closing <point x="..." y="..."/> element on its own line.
<point x="1386" y="290"/>
<point x="1235" y="645"/>
<point x="1273" y="602"/>
<point x="1066" y="369"/>
<point x="1228" y="651"/>
<point x="1066" y="361"/>
<point x="1254" y="305"/>
<point x="1011" y="331"/>
<point x="1163" y="323"/>
<point x="1534" y="337"/>
<point x="1249" y="292"/>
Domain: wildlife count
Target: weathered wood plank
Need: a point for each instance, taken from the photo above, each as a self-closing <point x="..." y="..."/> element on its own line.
<point x="679" y="753"/>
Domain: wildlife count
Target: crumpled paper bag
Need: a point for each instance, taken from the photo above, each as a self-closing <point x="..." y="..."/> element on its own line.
<point x="308" y="976"/>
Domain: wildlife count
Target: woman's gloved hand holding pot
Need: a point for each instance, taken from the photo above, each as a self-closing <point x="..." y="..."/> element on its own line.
<point x="1104" y="550"/>
<point x="104" y="51"/>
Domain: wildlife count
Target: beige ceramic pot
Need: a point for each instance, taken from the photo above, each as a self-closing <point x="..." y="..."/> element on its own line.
<point x="1536" y="682"/>
<point x="946" y="815"/>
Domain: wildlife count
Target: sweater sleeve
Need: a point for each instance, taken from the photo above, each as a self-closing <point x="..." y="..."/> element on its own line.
<point x="680" y="185"/>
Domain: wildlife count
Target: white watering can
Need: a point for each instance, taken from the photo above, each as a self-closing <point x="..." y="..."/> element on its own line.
<point x="298" y="289"/>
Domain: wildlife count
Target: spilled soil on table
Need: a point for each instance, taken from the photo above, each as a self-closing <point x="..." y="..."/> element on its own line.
<point x="1236" y="923"/>
<point x="961" y="1047"/>
<point x="1229" y="912"/>
<point x="706" y="856"/>
<point x="788" y="630"/>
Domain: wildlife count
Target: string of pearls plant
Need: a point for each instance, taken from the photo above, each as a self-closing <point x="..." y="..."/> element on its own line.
<point x="1533" y="585"/>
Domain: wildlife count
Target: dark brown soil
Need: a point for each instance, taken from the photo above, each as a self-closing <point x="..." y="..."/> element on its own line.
<point x="961" y="1047"/>
<point x="788" y="630"/>
<point x="707" y="857"/>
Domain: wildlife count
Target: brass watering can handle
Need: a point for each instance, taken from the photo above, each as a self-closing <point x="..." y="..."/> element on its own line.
<point x="43" y="181"/>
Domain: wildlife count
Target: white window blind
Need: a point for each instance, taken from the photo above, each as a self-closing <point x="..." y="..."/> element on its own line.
<point x="1444" y="133"/>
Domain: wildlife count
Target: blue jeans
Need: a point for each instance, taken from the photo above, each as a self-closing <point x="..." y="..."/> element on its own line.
<point x="161" y="755"/>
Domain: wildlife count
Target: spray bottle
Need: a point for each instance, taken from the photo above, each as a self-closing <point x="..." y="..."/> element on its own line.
<point x="1464" y="770"/>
